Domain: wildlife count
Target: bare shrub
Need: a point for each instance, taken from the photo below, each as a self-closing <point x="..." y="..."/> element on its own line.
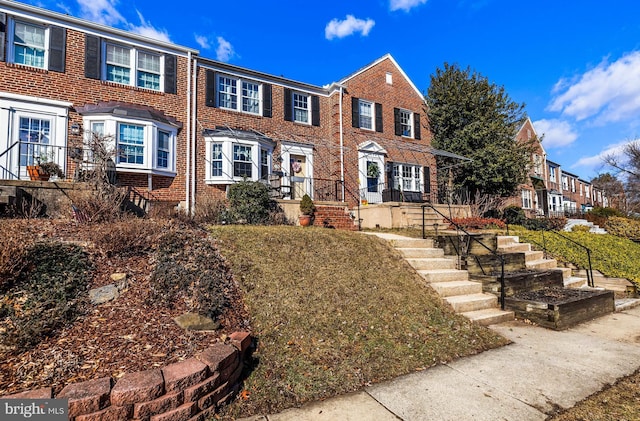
<point x="128" y="237"/>
<point x="209" y="209"/>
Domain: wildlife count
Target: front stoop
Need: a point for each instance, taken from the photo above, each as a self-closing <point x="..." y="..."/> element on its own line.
<point x="453" y="285"/>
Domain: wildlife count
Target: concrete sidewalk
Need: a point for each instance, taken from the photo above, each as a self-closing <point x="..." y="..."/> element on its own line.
<point x="541" y="371"/>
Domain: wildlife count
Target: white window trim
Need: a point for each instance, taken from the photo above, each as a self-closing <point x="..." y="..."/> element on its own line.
<point x="309" y="107"/>
<point x="10" y="45"/>
<point x="150" y="165"/>
<point x="411" y="121"/>
<point x="373" y="114"/>
<point x="133" y="64"/>
<point x="239" y="82"/>
<point x="527" y="200"/>
<point x="398" y="182"/>
<point x="552" y="174"/>
<point x="227" y="143"/>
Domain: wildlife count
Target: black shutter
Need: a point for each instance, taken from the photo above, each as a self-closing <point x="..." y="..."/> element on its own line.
<point x="416" y="123"/>
<point x="3" y="30"/>
<point x="427" y="179"/>
<point x="355" y="112"/>
<point x="378" y="118"/>
<point x="170" y="79"/>
<point x="57" y="47"/>
<point x="315" y="110"/>
<point x="92" y="56"/>
<point x="396" y="120"/>
<point x="287" y="105"/>
<point x="389" y="170"/>
<point x="266" y="100"/>
<point x="210" y="89"/>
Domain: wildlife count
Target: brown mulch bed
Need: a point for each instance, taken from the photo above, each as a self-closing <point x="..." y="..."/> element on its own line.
<point x="554" y="295"/>
<point x="126" y="335"/>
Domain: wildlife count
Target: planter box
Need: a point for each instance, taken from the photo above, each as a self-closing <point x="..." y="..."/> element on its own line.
<point x="561" y="308"/>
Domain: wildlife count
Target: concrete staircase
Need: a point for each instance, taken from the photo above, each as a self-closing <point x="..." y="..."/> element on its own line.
<point x="453" y="285"/>
<point x="594" y="229"/>
<point x="535" y="259"/>
<point x="412" y="217"/>
<point x="335" y="217"/>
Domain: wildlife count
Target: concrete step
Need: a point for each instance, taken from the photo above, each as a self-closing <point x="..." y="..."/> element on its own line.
<point x="566" y="272"/>
<point x="432" y="263"/>
<point x="533" y="255"/>
<point x="505" y="240"/>
<point x="472" y="302"/>
<point x="575" y="282"/>
<point x="542" y="264"/>
<point x="412" y="243"/>
<point x="451" y="288"/>
<point x="410" y="253"/>
<point x="515" y="248"/>
<point x="444" y="275"/>
<point x="489" y="316"/>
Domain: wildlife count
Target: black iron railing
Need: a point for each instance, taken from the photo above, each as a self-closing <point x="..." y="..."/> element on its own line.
<point x="470" y="237"/>
<point x="384" y="192"/>
<point x="588" y="268"/>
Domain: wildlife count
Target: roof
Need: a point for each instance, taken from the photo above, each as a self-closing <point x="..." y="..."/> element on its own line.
<point x="124" y="109"/>
<point x="221" y="131"/>
<point x="375" y="63"/>
<point x="34" y="12"/>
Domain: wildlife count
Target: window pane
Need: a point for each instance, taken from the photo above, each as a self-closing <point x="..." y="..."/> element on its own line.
<point x="250" y="98"/>
<point x="216" y="160"/>
<point x="241" y="161"/>
<point x="148" y="81"/>
<point x="33" y="134"/>
<point x="118" y="63"/>
<point x="131" y="144"/>
<point x="163" y="149"/>
<point x="264" y="163"/>
<point x="405" y="122"/>
<point x="148" y="62"/>
<point x="227" y="93"/>
<point x="30" y="35"/>
<point x="365" y="115"/>
<point x="300" y="108"/>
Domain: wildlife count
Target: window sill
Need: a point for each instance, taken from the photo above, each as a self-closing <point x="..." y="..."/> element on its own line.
<point x="29" y="68"/>
<point x="134" y="88"/>
<point x="153" y="171"/>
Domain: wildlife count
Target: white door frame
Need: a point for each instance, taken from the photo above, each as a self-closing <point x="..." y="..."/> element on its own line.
<point x="370" y="151"/>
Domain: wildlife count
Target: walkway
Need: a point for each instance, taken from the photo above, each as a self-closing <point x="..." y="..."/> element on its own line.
<point x="540" y="371"/>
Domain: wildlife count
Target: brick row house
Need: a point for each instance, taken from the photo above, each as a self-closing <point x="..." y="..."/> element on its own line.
<point x="550" y="190"/>
<point x="185" y="127"/>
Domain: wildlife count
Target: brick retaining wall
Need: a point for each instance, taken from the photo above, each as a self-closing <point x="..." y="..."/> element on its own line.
<point x="190" y="390"/>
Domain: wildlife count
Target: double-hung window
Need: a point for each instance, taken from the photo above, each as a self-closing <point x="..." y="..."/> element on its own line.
<point x="148" y="71"/>
<point x="406" y="123"/>
<point x="250" y="97"/>
<point x="242" y="160"/>
<point x="29" y="44"/>
<point x="552" y="173"/>
<point x="163" y="149"/>
<point x="133" y="67"/>
<point x="228" y="93"/>
<point x="406" y="177"/>
<point x="131" y="144"/>
<point x="300" y="107"/>
<point x="118" y="64"/>
<point x="216" y="159"/>
<point x="264" y="163"/>
<point x="365" y="109"/>
<point x="526" y="199"/>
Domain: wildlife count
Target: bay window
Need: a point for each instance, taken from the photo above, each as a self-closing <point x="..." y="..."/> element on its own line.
<point x="242" y="161"/>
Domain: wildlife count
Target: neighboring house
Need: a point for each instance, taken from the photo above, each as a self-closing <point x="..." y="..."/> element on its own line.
<point x="63" y="78"/>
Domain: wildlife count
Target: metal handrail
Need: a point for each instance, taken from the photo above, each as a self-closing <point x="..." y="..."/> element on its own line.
<point x="459" y="228"/>
<point x="589" y="270"/>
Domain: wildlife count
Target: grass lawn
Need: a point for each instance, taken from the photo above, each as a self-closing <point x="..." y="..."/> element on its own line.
<point x="333" y="312"/>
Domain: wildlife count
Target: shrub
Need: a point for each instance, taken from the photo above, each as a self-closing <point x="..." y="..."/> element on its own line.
<point x="249" y="202"/>
<point x="514" y="215"/>
<point x="580" y="228"/>
<point x="16" y="239"/>
<point x="539" y="224"/>
<point x="209" y="210"/>
<point x="623" y="227"/>
<point x="129" y="237"/>
<point x="605" y="212"/>
<point x="306" y="205"/>
<point x="190" y="270"/>
<point x="479" y="223"/>
<point x="46" y="295"/>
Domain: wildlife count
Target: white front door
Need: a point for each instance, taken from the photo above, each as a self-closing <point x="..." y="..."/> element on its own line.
<point x="372" y="175"/>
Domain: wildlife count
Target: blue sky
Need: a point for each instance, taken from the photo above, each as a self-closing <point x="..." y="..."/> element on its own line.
<point x="575" y="64"/>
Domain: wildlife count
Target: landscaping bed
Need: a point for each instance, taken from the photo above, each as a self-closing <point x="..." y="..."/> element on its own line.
<point x="561" y="308"/>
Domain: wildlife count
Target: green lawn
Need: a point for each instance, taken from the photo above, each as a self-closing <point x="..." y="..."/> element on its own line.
<point x="334" y="311"/>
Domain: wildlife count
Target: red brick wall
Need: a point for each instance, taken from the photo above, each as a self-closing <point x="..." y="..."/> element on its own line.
<point x="371" y="85"/>
<point x="72" y="86"/>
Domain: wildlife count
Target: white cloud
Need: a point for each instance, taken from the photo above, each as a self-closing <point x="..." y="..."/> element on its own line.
<point x="100" y="11"/>
<point x="202" y="41"/>
<point x="557" y="133"/>
<point x="609" y="92"/>
<point x="225" y="51"/>
<point x="146" y="29"/>
<point x="405" y="5"/>
<point x="342" y="28"/>
<point x="596" y="162"/>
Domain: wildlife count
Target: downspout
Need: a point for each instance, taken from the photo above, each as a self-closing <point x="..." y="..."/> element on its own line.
<point x="194" y="134"/>
<point x="188" y="140"/>
<point x="342" y="147"/>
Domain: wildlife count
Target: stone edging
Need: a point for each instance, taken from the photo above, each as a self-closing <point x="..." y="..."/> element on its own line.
<point x="188" y="390"/>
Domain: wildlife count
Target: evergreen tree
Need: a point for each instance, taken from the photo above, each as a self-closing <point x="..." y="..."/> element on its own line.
<point x="472" y="117"/>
